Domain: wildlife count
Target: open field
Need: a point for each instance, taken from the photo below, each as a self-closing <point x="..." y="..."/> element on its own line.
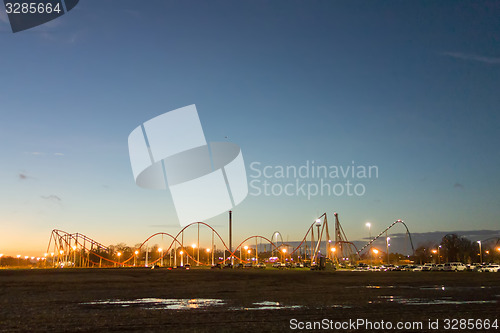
<point x="58" y="299"/>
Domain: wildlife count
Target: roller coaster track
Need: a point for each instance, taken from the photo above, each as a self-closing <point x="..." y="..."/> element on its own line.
<point x="65" y="246"/>
<point x="384" y="231"/>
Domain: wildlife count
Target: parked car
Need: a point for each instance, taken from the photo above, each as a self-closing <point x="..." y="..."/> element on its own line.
<point x="417" y="268"/>
<point x="261" y="265"/>
<point x="277" y="264"/>
<point x="248" y="265"/>
<point x="492" y="268"/>
<point x="226" y="266"/>
<point x="216" y="266"/>
<point x="427" y="267"/>
<point x="437" y="268"/>
<point x="454" y="267"/>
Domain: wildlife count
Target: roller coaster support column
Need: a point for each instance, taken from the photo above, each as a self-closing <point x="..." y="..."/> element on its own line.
<point x="231" y="235"/>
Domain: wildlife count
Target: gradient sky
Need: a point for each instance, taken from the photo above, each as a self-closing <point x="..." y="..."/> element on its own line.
<point x="411" y="87"/>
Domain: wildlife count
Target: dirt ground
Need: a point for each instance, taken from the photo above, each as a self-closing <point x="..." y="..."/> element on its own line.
<point x="59" y="300"/>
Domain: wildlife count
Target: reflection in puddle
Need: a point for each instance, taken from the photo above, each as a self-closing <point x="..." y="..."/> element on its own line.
<point x="267" y="305"/>
<point x="424" y="301"/>
<point x="162" y="303"/>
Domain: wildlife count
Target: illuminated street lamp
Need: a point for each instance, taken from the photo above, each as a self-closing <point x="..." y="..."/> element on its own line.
<point x="387" y="243"/>
<point x="74" y="255"/>
<point x="161" y="256"/>
<point x="119" y="255"/>
<point x="182" y="257"/>
<point x="208" y="256"/>
<point x="375" y="251"/>
<point x="18" y="260"/>
<point x="369" y="225"/>
<point x="480" y="251"/>
<point x="135" y="257"/>
<point x="1" y="255"/>
<point x="283" y="254"/>
<point x="246" y="248"/>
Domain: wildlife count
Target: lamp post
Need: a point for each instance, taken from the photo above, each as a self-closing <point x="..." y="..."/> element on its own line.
<point x="182" y="257"/>
<point x="369" y="225"/>
<point x="135" y="256"/>
<point x="161" y="256"/>
<point x="119" y="255"/>
<point x="1" y="255"/>
<point x="74" y="255"/>
<point x="283" y="254"/>
<point x="480" y="252"/>
<point x="246" y="248"/>
<point x="375" y="251"/>
<point x="208" y="256"/>
<point x="387" y="244"/>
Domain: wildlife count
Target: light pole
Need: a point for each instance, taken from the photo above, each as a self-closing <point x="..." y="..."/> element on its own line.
<point x="283" y="255"/>
<point x="18" y="260"/>
<point x="1" y="255"/>
<point x="182" y="257"/>
<point x="208" y="256"/>
<point x="480" y="252"/>
<point x="246" y="248"/>
<point x="369" y="225"/>
<point x="161" y="256"/>
<point x="119" y="255"/>
<point x="74" y="255"/>
<point x="135" y="257"/>
<point x="387" y="244"/>
<point x="375" y="251"/>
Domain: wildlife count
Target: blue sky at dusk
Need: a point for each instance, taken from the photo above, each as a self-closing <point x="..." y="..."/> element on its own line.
<point x="410" y="87"/>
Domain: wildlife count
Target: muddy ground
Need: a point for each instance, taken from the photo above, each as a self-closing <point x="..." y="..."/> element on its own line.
<point x="246" y="300"/>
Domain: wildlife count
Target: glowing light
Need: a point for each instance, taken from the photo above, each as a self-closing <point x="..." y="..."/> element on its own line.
<point x="136" y="252"/>
<point x="193" y="246"/>
<point x="284" y="250"/>
<point x="182" y="252"/>
<point x="334" y="249"/>
<point x="375" y="251"/>
<point x="19" y="256"/>
<point x="160" y="249"/>
<point x="245" y="247"/>
<point x="74" y="247"/>
<point x="368" y="224"/>
<point x="119" y="254"/>
<point x="208" y="250"/>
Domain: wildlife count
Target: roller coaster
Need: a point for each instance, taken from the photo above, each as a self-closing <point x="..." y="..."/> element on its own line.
<point x="77" y="250"/>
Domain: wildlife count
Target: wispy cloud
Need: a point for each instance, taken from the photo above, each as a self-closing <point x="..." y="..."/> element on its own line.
<point x="23" y="176"/>
<point x="473" y="57"/>
<point x="51" y="197"/>
<point x="41" y="153"/>
<point x="458" y="185"/>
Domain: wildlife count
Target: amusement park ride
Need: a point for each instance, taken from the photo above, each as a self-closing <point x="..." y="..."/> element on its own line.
<point x="77" y="250"/>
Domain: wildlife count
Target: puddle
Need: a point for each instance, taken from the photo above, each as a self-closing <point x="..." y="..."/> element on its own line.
<point x="162" y="303"/>
<point x="424" y="301"/>
<point x="378" y="287"/>
<point x="267" y="305"/>
<point x="441" y="287"/>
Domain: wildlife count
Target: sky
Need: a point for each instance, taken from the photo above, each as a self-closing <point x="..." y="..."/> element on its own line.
<point x="408" y="87"/>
